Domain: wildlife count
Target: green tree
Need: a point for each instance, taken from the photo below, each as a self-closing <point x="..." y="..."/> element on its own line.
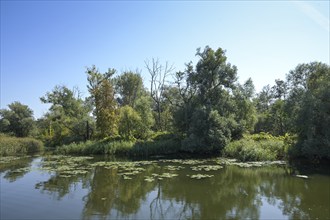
<point x="68" y="117"/>
<point x="18" y="120"/>
<point x="102" y="93"/>
<point x="207" y="104"/>
<point x="244" y="108"/>
<point x="129" y="123"/>
<point x="143" y="107"/>
<point x="314" y="116"/>
<point x="129" y="86"/>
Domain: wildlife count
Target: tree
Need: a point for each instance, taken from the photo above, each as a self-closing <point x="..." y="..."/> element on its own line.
<point x="279" y="89"/>
<point x="213" y="75"/>
<point x="244" y="108"/>
<point x="129" y="123"/>
<point x="103" y="95"/>
<point x="18" y="120"/>
<point x="208" y="105"/>
<point x="129" y="86"/>
<point x="143" y="108"/>
<point x="264" y="99"/>
<point x="68" y="118"/>
<point x="159" y="74"/>
<point x="314" y="115"/>
<point x="184" y="100"/>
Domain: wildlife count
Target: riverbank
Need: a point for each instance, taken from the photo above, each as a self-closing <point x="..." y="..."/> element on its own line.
<point x="257" y="147"/>
<point x="11" y="146"/>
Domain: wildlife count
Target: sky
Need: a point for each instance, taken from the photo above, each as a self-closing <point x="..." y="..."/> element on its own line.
<point x="49" y="43"/>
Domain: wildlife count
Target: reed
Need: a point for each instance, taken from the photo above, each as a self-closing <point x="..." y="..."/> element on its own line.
<point x="10" y="146"/>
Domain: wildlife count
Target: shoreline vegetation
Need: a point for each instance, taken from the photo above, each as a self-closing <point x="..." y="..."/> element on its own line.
<point x="12" y="146"/>
<point x="260" y="147"/>
<point x="257" y="147"/>
<point x="202" y="110"/>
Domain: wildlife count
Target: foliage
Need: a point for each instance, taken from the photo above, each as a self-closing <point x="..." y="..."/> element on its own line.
<point x="18" y="120"/>
<point x="205" y="107"/>
<point x="96" y="147"/>
<point x="204" y="113"/>
<point x="130" y="123"/>
<point x="102" y="93"/>
<point x="68" y="118"/>
<point x="258" y="147"/>
<point x="10" y="146"/>
<point x="129" y="86"/>
<point x="209" y="132"/>
<point x="143" y="108"/>
<point x="128" y="148"/>
<point x="156" y="147"/>
<point x="314" y="116"/>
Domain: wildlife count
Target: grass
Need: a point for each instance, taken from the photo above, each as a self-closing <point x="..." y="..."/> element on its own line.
<point x="257" y="147"/>
<point x="10" y="146"/>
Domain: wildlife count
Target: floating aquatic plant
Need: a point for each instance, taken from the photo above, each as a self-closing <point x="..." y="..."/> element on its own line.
<point x="174" y="168"/>
<point x="149" y="179"/>
<point x="206" y="167"/>
<point x="200" y="176"/>
<point x="126" y="177"/>
<point x="258" y="163"/>
<point x="9" y="159"/>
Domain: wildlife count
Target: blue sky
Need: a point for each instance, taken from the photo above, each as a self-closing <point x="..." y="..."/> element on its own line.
<point x="48" y="43"/>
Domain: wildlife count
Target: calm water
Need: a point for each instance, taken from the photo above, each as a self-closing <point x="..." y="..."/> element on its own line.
<point x="85" y="188"/>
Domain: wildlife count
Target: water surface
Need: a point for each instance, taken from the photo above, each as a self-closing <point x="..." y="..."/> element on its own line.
<point x="88" y="188"/>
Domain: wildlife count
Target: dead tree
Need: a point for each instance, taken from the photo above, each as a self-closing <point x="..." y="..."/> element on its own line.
<point x="159" y="74"/>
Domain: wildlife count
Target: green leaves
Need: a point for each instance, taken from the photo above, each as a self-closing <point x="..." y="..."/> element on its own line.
<point x="18" y="120"/>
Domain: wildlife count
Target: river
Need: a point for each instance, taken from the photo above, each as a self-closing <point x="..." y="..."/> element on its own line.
<point x="58" y="187"/>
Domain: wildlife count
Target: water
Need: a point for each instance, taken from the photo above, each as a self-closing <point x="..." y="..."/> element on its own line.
<point x="71" y="188"/>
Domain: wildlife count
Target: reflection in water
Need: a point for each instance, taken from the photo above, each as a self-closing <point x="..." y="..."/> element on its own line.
<point x="14" y="168"/>
<point x="231" y="193"/>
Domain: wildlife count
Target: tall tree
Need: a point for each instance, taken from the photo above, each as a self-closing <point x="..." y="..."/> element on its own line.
<point x="314" y="115"/>
<point x="129" y="86"/>
<point x="280" y="89"/>
<point x="102" y="92"/>
<point x="18" y="119"/>
<point x="208" y="107"/>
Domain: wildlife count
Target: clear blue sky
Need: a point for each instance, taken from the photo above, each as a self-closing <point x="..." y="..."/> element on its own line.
<point x="50" y="43"/>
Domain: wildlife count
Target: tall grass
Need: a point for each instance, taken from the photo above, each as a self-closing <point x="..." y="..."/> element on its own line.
<point x="257" y="147"/>
<point x="10" y="146"/>
<point x="96" y="147"/>
<point x="158" y="146"/>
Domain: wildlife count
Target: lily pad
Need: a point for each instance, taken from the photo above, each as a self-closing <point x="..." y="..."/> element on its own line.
<point x="200" y="176"/>
<point x="206" y="167"/>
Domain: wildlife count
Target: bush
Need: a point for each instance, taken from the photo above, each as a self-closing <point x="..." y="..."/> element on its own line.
<point x="157" y="147"/>
<point x="10" y="146"/>
<point x="257" y="147"/>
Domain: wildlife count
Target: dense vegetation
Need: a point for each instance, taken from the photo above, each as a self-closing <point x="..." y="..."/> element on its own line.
<point x="201" y="109"/>
<point x="11" y="146"/>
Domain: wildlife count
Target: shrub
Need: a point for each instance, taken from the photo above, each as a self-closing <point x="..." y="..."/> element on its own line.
<point x="257" y="147"/>
<point x="157" y="147"/>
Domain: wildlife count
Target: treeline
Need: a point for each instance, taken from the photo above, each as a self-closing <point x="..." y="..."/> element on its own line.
<point x="203" y="108"/>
